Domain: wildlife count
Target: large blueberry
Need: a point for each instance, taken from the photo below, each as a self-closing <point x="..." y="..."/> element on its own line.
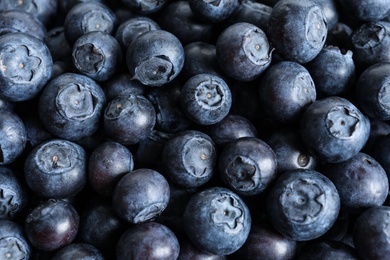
<point x="333" y="129"/>
<point x="217" y="221"/>
<point x="303" y="204"/>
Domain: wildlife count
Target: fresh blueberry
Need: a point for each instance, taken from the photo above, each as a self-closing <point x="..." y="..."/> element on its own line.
<point x="247" y="165"/>
<point x="333" y="129"/>
<point x="367" y="10"/>
<point x="78" y="251"/>
<point x="13" y="241"/>
<point x="217" y="221"/>
<point x="122" y="84"/>
<point x="243" y="51"/>
<point x="25" y="66"/>
<point x="213" y="11"/>
<point x="303" y="204"/>
<point x="59" y="47"/>
<point x="141" y="195"/>
<point x="330" y="8"/>
<point x="129" y="118"/>
<point x="71" y="105"/>
<point x="327" y="250"/>
<point x="145" y="7"/>
<point x="189" y="251"/>
<point x="297" y="29"/>
<point x="206" y="99"/>
<point x="56" y="169"/>
<point x="155" y="57"/>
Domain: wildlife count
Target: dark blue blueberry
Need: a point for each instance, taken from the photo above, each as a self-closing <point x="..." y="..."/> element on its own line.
<point x="13" y="241"/>
<point x="144" y="7"/>
<point x="78" y="251"/>
<point x="371" y="43"/>
<point x="373" y="91"/>
<point x="87" y="17"/>
<point x="217" y="221"/>
<point x="132" y="28"/>
<point x="155" y="58"/>
<point x="122" y="84"/>
<point x="107" y="164"/>
<point x="148" y="241"/>
<point x="332" y="70"/>
<point x="129" y="118"/>
<point x="303" y="204"/>
<point x="59" y="47"/>
<point x="189" y="251"/>
<point x="333" y="129"/>
<point x="189" y="158"/>
<point x="371" y="233"/>
<point x="13" y="137"/>
<point x="213" y="11"/>
<point x="327" y="250"/>
<point x="379" y="129"/>
<point x="367" y="10"/>
<point x="56" y="169"/>
<point x="243" y="51"/>
<point x="71" y="105"/>
<point x="141" y="195"/>
<point x="97" y="55"/>
<point x="206" y="99"/>
<point x="330" y="8"/>
<point x="247" y="165"/>
<point x="290" y="151"/>
<point x="52" y="225"/>
<point x="12" y="21"/>
<point x="13" y="194"/>
<point x="25" y="66"/>
<point x="297" y="29"/>
<point x="380" y="152"/>
<point x="286" y="88"/>
<point x="64" y="6"/>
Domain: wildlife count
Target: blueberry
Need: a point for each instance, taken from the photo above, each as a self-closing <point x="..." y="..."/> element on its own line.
<point x="13" y="137"/>
<point x="243" y="51"/>
<point x="327" y="250"/>
<point x="52" y="225"/>
<point x="78" y="251"/>
<point x="155" y="57"/>
<point x="333" y="129"/>
<point x="217" y="221"/>
<point x="189" y="158"/>
<point x="145" y="7"/>
<point x="189" y="251"/>
<point x="247" y="165"/>
<point x="206" y="99"/>
<point x="340" y="36"/>
<point x="97" y="55"/>
<point x="59" y="47"/>
<point x="297" y="29"/>
<point x="213" y="11"/>
<point x="380" y="150"/>
<point x="122" y="84"/>
<point x="330" y="8"/>
<point x="25" y="66"/>
<point x="71" y="105"/>
<point x="140" y="195"/>
<point x="148" y="240"/>
<point x="13" y="241"/>
<point x="56" y="169"/>
<point x="367" y="10"/>
<point x="129" y="118"/>
<point x="303" y="204"/>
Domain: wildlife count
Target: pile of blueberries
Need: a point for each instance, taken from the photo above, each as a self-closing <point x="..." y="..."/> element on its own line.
<point x="194" y="129"/>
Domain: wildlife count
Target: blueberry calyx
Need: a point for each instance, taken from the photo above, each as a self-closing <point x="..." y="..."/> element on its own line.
<point x="316" y="26"/>
<point x="96" y="20"/>
<point x="209" y="94"/>
<point x="227" y="213"/>
<point x="342" y="122"/>
<point x="241" y="173"/>
<point x="384" y="97"/>
<point x="256" y="47"/>
<point x="196" y="164"/>
<point x="12" y="248"/>
<point x="88" y="58"/>
<point x="156" y="70"/>
<point x="7" y="205"/>
<point x="369" y="35"/>
<point x="55" y="158"/>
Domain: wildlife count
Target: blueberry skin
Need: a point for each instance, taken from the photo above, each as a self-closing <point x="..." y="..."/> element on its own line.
<point x="340" y="36"/>
<point x="243" y="51"/>
<point x="213" y="11"/>
<point x="189" y="251"/>
<point x="206" y="99"/>
<point x="361" y="182"/>
<point x="333" y="129"/>
<point x="13" y="137"/>
<point x="145" y="7"/>
<point x="107" y="164"/>
<point x="78" y="251"/>
<point x="26" y="66"/>
<point x="59" y="47"/>
<point x="141" y="195"/>
<point x="332" y="71"/>
<point x="88" y="17"/>
<point x="217" y="221"/>
<point x="97" y="55"/>
<point x="13" y="194"/>
<point x="122" y="84"/>
<point x="286" y="89"/>
<point x="247" y="165"/>
<point x="128" y="119"/>
<point x="14" y="244"/>
<point x="368" y="10"/>
<point x="297" y="29"/>
<point x="12" y="21"/>
<point x="132" y="28"/>
<point x="370" y="233"/>
<point x="303" y="204"/>
<point x="330" y="8"/>
<point x="155" y="58"/>
<point x="56" y="169"/>
<point x="327" y="250"/>
<point x="52" y="225"/>
<point x="189" y="158"/>
<point x="370" y="43"/>
<point x="290" y="151"/>
<point x="71" y="105"/>
<point x="371" y="91"/>
<point x="150" y="240"/>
